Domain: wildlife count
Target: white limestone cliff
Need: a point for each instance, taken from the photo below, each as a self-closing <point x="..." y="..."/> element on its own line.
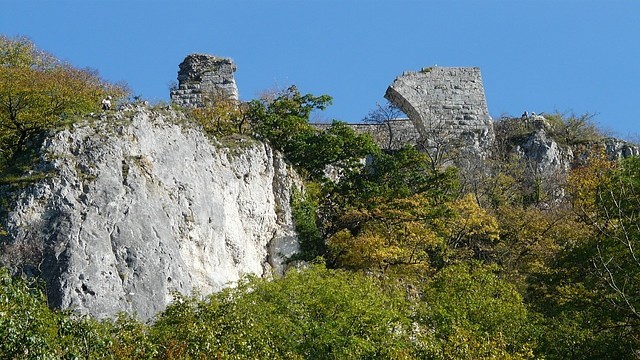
<point x="138" y="206"/>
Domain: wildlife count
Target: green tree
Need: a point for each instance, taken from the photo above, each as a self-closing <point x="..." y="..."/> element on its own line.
<point x="389" y="215"/>
<point x="616" y="246"/>
<point x="304" y="209"/>
<point x="338" y="147"/>
<point x="39" y="92"/>
<point x="384" y="115"/>
<point x="468" y="312"/>
<point x="30" y="330"/>
<point x="590" y="300"/>
<point x="389" y="176"/>
<point x="284" y="121"/>
<point x="313" y="313"/>
<point x="27" y="327"/>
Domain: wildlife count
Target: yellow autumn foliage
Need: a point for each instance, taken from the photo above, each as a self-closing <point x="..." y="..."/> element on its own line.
<point x="39" y="92"/>
<point x="583" y="182"/>
<point x="397" y="233"/>
<point x="471" y="222"/>
<point x="412" y="231"/>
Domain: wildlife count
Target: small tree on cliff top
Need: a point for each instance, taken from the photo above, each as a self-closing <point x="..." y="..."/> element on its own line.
<point x="220" y="114"/>
<point x="383" y="115"/>
<point x="38" y="92"/>
<point x="283" y="120"/>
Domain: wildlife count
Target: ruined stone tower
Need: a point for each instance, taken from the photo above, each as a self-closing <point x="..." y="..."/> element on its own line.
<point x="448" y="108"/>
<point x="204" y="75"/>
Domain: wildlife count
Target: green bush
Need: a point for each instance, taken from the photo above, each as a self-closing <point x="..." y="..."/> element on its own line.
<point x="28" y="328"/>
<point x="470" y="313"/>
<point x="313" y="313"/>
<point x="304" y="211"/>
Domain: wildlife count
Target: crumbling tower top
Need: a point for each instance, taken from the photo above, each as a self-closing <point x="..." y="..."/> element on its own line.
<point x="201" y="75"/>
<point x="452" y="96"/>
<point x="448" y="108"/>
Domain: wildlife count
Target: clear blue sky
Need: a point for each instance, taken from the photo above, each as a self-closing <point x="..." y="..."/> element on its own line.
<point x="537" y="55"/>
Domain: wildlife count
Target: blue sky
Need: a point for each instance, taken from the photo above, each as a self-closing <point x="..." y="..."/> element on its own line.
<point x="537" y="55"/>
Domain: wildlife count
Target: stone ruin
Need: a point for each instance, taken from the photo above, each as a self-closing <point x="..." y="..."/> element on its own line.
<point x="447" y="107"/>
<point x="203" y="75"/>
<point x="447" y="117"/>
<point x="404" y="133"/>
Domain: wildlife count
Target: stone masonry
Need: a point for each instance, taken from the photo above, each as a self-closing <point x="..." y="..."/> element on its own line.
<point x="404" y="133"/>
<point x="202" y="74"/>
<point x="445" y="104"/>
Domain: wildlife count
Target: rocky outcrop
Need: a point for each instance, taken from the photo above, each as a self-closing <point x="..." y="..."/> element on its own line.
<point x="533" y="141"/>
<point x="138" y="206"/>
<point x="203" y="76"/>
<point x="544" y="155"/>
<point x="546" y="160"/>
<point x="618" y="149"/>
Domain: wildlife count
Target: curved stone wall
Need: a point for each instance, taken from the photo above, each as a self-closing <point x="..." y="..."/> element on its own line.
<point x="445" y="104"/>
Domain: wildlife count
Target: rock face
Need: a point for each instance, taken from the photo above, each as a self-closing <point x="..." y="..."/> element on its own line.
<point x="544" y="155"/>
<point x="140" y="206"/>
<point x="446" y="105"/>
<point x="204" y="75"/>
<point x="618" y="149"/>
<point x="545" y="159"/>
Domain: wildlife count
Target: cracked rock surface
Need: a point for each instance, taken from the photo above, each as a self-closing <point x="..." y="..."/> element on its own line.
<point x="138" y="206"/>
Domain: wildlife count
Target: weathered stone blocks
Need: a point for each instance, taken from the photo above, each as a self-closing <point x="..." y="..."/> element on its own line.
<point x="202" y="74"/>
<point x="446" y="104"/>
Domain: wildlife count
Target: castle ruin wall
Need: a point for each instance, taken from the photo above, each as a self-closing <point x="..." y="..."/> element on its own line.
<point x="445" y="103"/>
<point x="202" y="75"/>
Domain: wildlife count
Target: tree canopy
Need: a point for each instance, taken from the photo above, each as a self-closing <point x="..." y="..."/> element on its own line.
<point x="402" y="261"/>
<point x="283" y="121"/>
<point x="39" y="92"/>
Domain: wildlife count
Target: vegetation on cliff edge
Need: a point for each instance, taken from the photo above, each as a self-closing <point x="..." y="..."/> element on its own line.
<point x="410" y="262"/>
